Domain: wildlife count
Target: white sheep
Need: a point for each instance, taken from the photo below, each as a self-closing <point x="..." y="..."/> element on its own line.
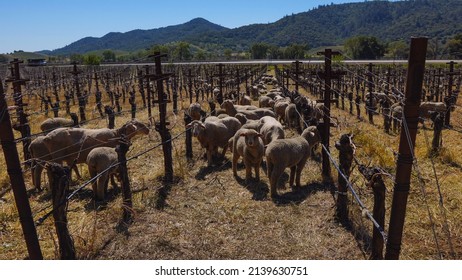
<point x="39" y="154"/>
<point x="292" y="117"/>
<point x="427" y="107"/>
<point x="74" y="144"/>
<point x="214" y="134"/>
<point x="98" y="160"/>
<point x="270" y="129"/>
<point x="54" y="123"/>
<point x="250" y="114"/>
<point x="280" y="108"/>
<point x="293" y="153"/>
<point x="248" y="144"/>
<point x="195" y="111"/>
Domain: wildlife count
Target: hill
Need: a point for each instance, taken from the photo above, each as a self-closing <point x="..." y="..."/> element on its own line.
<point x="325" y="25"/>
<point x="140" y="39"/>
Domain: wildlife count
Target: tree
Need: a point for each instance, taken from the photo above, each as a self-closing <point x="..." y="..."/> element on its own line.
<point x="455" y="47"/>
<point x="259" y="50"/>
<point x="77" y="57"/>
<point x="364" y="47"/>
<point x="295" y="51"/>
<point x="109" y="55"/>
<point x="91" y="59"/>
<point x="227" y="53"/>
<point x="398" y="49"/>
<point x="274" y="52"/>
<point x="201" y="55"/>
<point x="182" y="51"/>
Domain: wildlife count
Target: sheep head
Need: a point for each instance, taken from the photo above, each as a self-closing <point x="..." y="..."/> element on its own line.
<point x="197" y="127"/>
<point x="251" y="137"/>
<point x="311" y="134"/>
<point x="133" y="128"/>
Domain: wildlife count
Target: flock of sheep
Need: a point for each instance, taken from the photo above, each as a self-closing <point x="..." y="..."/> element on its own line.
<point x="257" y="133"/>
<point x="249" y="132"/>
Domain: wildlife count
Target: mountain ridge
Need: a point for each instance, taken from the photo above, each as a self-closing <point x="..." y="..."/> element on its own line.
<point x="324" y="25"/>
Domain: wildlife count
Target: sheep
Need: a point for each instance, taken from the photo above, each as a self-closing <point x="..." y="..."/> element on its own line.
<point x="250" y="114"/>
<point x="265" y="102"/>
<point x="293" y="153"/>
<point x="248" y="143"/>
<point x="195" y="111"/>
<point x="245" y="99"/>
<point x="214" y="134"/>
<point x="98" y="160"/>
<point x="39" y="152"/>
<point x="280" y="108"/>
<point x="240" y="107"/>
<point x="292" y="118"/>
<point x="270" y="129"/>
<point x="74" y="144"/>
<point x="54" y="123"/>
<point x="427" y="107"/>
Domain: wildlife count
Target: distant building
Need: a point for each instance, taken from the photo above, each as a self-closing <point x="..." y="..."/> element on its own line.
<point x="36" y="62"/>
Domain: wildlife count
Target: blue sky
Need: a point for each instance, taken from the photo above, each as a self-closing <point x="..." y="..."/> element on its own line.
<point x="33" y="25"/>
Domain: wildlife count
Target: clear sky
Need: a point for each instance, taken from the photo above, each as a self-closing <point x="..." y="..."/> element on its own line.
<point x="34" y="25"/>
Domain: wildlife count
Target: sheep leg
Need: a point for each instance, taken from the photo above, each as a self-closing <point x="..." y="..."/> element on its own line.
<point x="292" y="175"/>
<point x="101" y="186"/>
<point x="298" y="173"/>
<point x="209" y="156"/>
<point x="236" y="157"/>
<point x="248" y="170"/>
<point x="275" y="175"/>
<point x="93" y="174"/>
<point x="37" y="175"/>
<point x="257" y="171"/>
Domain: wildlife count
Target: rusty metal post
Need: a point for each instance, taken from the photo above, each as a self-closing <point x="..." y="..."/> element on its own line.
<point x="15" y="173"/>
<point x="415" y="73"/>
<point x="127" y="203"/>
<point x="59" y="177"/>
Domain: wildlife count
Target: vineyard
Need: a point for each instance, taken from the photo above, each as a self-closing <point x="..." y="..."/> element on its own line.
<point x="173" y="204"/>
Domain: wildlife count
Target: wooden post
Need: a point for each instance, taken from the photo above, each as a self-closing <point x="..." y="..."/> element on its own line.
<point x="80" y="97"/>
<point x="161" y="126"/>
<point x="110" y="116"/>
<point x="15" y="173"/>
<point x="375" y="181"/>
<point x="438" y="124"/>
<point x="370" y="84"/>
<point x="59" y="177"/>
<point x="346" y="150"/>
<point x="415" y="73"/>
<point x="327" y="75"/>
<point x="24" y="127"/>
<point x="127" y="203"/>
<point x="141" y="87"/>
<point x="188" y="143"/>
<point x="449" y="100"/>
<point x="148" y="91"/>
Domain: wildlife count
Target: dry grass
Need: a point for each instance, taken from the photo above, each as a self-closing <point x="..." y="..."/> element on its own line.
<point x="208" y="214"/>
